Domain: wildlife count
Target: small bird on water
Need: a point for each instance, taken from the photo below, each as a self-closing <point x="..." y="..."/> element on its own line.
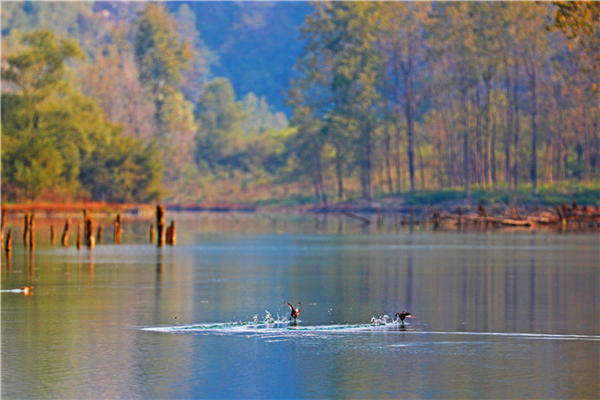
<point x="27" y="289"/>
<point x="404" y="315"/>
<point x="295" y="311"/>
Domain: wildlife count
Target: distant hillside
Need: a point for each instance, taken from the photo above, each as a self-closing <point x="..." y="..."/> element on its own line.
<point x="253" y="44"/>
<point x="256" y="43"/>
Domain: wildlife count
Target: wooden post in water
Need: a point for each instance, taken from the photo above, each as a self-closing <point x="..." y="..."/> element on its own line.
<point x="3" y="222"/>
<point x="561" y="216"/>
<point x="90" y="240"/>
<point x="413" y="217"/>
<point x="31" y="232"/>
<point x="172" y="234"/>
<point x="436" y="218"/>
<point x="85" y="225"/>
<point x="168" y="235"/>
<point x="379" y="219"/>
<point x="151" y="233"/>
<point x="460" y="213"/>
<point x="78" y="236"/>
<point x="8" y="246"/>
<point x="100" y="231"/>
<point x="65" y="236"/>
<point x="160" y="225"/>
<point x="52" y="235"/>
<point x="25" y="229"/>
<point x="117" y="224"/>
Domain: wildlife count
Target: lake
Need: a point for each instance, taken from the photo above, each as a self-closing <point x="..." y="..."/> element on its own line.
<point x="500" y="313"/>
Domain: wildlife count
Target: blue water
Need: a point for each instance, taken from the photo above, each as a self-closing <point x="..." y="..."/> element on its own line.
<point x="499" y="314"/>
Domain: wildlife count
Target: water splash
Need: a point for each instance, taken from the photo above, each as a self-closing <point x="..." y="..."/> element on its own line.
<point x="281" y="327"/>
<point x="382" y="321"/>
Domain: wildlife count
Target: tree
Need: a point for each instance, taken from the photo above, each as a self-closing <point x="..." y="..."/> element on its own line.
<point x="160" y="55"/>
<point x="38" y="70"/>
<point x="52" y="136"/>
<point x="403" y="44"/>
<point x="579" y="20"/>
<point x="219" y="118"/>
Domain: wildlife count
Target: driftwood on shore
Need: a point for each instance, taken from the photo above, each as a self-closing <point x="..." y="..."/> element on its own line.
<point x="356" y="216"/>
<point x="509" y="217"/>
<point x="561" y="215"/>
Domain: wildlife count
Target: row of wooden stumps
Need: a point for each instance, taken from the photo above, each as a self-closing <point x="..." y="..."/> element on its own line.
<point x="88" y="235"/>
<point x="169" y="236"/>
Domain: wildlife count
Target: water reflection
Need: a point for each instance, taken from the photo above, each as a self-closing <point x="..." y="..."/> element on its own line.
<point x="80" y="334"/>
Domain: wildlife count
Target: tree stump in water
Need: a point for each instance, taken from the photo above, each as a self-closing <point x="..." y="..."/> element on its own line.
<point x="118" y="229"/>
<point x="8" y="246"/>
<point x="160" y="225"/>
<point x="90" y="240"/>
<point x="78" y="236"/>
<point x="25" y="229"/>
<point x="31" y="232"/>
<point x="171" y="234"/>
<point x="2" y="223"/>
<point x="65" y="235"/>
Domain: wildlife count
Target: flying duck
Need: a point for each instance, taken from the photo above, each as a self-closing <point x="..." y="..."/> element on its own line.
<point x="403" y="315"/>
<point x="295" y="311"/>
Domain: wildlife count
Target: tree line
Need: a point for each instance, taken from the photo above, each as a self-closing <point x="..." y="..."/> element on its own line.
<point x="406" y="96"/>
<point x="387" y="97"/>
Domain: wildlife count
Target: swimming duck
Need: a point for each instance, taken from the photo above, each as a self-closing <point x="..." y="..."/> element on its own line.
<point x="27" y="289"/>
<point x="295" y="311"/>
<point x="403" y="315"/>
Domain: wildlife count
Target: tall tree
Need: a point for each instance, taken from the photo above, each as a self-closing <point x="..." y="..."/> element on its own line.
<point x="219" y="133"/>
<point x="403" y="41"/>
<point x="160" y="54"/>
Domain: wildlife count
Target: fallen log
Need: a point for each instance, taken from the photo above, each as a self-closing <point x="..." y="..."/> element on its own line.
<point x="355" y="216"/>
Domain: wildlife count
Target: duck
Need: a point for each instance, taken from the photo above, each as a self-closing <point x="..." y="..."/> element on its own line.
<point x="295" y="311"/>
<point x="26" y="289"/>
<point x="403" y="315"/>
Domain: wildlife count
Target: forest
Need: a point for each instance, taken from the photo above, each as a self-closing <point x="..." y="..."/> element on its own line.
<point x="288" y="103"/>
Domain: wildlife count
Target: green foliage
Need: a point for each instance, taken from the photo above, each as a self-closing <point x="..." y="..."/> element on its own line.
<point x="579" y="20"/>
<point x="57" y="143"/>
<point x="160" y="54"/>
<point x="259" y="117"/>
<point x="219" y="134"/>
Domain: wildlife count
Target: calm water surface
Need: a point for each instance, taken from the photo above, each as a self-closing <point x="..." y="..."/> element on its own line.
<point x="500" y="314"/>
